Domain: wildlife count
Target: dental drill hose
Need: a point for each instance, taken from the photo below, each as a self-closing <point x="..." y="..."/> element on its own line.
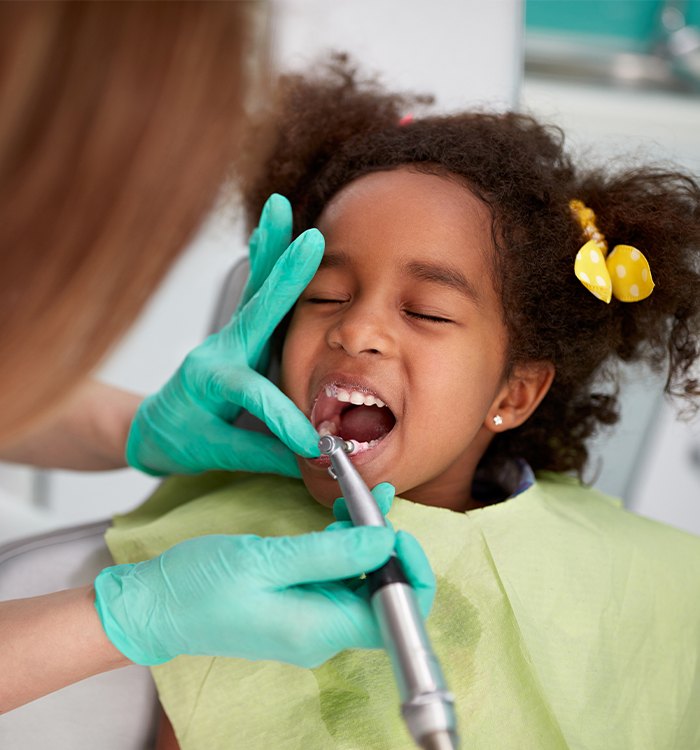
<point x="426" y="704"/>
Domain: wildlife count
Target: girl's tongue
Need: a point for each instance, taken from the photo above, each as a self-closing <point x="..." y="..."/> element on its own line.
<point x="365" y="423"/>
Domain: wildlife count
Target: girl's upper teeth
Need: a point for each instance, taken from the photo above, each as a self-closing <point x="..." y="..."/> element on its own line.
<point x="353" y="397"/>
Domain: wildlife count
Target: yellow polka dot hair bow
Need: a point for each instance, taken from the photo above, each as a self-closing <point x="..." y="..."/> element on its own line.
<point x="623" y="274"/>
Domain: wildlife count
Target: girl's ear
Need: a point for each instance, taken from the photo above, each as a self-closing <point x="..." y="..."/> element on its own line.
<point x="520" y="396"/>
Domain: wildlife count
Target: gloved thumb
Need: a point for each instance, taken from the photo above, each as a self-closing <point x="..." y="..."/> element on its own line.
<point x="323" y="556"/>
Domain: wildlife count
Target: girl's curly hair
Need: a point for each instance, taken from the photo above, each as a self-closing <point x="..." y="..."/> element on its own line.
<point x="333" y="128"/>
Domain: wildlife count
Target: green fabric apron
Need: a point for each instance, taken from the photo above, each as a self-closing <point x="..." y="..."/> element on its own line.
<point x="561" y="621"/>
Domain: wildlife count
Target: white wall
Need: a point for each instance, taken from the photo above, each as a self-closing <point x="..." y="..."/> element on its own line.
<point x="463" y="51"/>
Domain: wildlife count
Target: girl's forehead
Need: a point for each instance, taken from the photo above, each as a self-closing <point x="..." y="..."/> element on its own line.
<point x="414" y="195"/>
<point x="411" y="212"/>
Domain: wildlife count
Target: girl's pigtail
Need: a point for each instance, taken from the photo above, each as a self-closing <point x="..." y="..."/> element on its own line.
<point x="658" y="212"/>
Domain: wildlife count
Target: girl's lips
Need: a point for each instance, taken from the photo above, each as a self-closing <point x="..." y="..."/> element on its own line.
<point x="333" y="413"/>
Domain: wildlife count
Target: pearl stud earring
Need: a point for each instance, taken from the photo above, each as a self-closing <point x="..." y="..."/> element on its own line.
<point x="498" y="420"/>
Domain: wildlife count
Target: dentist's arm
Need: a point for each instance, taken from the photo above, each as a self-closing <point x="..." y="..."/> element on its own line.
<point x="278" y="598"/>
<point x="88" y="433"/>
<point x="49" y="642"/>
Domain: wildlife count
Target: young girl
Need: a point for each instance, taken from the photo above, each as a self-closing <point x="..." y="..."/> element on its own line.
<point x="465" y="328"/>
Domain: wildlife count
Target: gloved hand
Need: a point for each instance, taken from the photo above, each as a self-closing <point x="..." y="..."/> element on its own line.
<point x="185" y="427"/>
<point x="245" y="596"/>
<point x="413" y="560"/>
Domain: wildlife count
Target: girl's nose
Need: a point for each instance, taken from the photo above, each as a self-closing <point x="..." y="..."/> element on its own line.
<point x="362" y="331"/>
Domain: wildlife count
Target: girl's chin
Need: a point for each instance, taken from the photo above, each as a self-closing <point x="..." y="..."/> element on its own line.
<point x="324" y="491"/>
<point x="319" y="485"/>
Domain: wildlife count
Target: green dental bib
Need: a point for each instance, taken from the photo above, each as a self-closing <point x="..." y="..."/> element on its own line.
<point x="561" y="621"/>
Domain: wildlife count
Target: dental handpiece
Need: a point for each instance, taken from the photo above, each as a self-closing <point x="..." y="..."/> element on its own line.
<point x="427" y="705"/>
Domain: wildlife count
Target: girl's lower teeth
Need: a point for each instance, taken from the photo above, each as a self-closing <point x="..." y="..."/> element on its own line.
<point x="359" y="447"/>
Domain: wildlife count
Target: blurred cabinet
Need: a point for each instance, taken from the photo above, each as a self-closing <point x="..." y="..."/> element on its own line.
<point x="640" y="43"/>
<point x="634" y="24"/>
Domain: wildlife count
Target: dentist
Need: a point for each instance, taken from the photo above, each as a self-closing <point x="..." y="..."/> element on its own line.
<point x="119" y="124"/>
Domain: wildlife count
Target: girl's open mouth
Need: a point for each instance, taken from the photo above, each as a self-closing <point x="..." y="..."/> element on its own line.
<point x="352" y="413"/>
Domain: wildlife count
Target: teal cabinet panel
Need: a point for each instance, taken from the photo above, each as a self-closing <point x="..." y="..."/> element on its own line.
<point x="634" y="20"/>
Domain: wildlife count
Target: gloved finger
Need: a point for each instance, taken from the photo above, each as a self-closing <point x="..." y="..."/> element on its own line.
<point x="343" y="616"/>
<point x="383" y="493"/>
<point x="356" y="582"/>
<point x="218" y="445"/>
<point x="318" y="557"/>
<point x="417" y="569"/>
<point x="339" y="525"/>
<point x="269" y="240"/>
<point x="251" y="326"/>
<point x="255" y="451"/>
<point x="264" y="400"/>
<point x="349" y="618"/>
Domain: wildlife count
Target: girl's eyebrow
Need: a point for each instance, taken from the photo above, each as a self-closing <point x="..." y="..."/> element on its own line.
<point x="446" y="276"/>
<point x="335" y="259"/>
<point x="434" y="273"/>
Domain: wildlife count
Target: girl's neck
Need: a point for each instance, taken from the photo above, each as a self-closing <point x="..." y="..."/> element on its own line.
<point x="451" y="490"/>
<point x="470" y="489"/>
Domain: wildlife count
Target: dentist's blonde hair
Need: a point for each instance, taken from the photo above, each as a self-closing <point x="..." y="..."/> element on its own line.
<point x="118" y="123"/>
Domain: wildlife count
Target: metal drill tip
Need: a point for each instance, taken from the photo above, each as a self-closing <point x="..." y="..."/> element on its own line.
<point x="326" y="445"/>
<point x="330" y="443"/>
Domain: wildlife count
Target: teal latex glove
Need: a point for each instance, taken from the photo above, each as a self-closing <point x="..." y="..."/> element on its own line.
<point x="413" y="560"/>
<point x="186" y="427"/>
<point x="245" y="596"/>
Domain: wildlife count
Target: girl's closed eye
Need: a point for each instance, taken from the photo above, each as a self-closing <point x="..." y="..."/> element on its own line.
<point x="321" y="300"/>
<point x="414" y="314"/>
<point x="417" y="315"/>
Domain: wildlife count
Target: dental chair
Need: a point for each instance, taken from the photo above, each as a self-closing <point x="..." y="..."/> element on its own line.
<point x="111" y="711"/>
